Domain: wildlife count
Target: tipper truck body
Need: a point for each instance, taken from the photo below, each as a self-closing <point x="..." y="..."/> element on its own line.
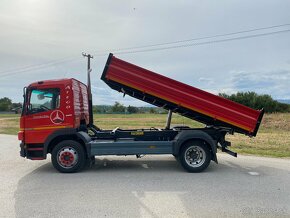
<point x="56" y="119"/>
<point x="179" y="97"/>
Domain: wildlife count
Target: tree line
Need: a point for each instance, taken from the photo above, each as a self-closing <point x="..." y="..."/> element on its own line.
<point x="250" y="99"/>
<point x="7" y="105"/>
<point x="119" y="108"/>
<point x="255" y="101"/>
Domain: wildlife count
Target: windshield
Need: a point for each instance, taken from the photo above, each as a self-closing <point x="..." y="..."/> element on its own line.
<point x="44" y="100"/>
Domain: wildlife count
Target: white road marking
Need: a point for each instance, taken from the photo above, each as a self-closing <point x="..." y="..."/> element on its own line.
<point x="145" y="166"/>
<point x="150" y="206"/>
<point x="254" y="173"/>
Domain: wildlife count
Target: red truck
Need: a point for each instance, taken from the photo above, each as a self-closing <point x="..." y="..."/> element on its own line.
<point x="57" y="118"/>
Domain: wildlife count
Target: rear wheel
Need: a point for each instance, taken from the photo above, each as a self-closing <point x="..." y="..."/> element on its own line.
<point x="68" y="156"/>
<point x="195" y="156"/>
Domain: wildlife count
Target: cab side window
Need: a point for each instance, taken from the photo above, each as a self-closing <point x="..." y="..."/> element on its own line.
<point x="42" y="100"/>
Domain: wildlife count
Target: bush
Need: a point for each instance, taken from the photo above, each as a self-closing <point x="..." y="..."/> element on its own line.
<point x="118" y="108"/>
<point x="132" y="109"/>
<point x="5" y="104"/>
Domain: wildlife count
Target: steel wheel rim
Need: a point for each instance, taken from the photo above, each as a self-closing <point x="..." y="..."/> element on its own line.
<point x="194" y="156"/>
<point x="67" y="157"/>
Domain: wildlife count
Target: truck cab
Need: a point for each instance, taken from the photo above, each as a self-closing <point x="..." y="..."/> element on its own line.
<point x="51" y="106"/>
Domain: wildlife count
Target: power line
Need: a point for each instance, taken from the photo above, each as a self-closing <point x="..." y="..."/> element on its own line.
<point x="201" y="43"/>
<point x="175" y="44"/>
<point x="29" y="66"/>
<point x="34" y="67"/>
<point x="199" y="38"/>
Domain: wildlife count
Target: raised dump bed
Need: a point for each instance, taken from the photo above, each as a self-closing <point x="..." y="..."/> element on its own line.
<point x="181" y="98"/>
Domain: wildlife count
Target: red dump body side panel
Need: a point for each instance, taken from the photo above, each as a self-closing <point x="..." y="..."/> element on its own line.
<point x="207" y="105"/>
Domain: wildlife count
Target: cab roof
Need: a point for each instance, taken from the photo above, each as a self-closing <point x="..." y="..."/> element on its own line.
<point x="64" y="81"/>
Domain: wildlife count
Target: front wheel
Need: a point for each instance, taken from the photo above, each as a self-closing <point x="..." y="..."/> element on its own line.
<point x="68" y="156"/>
<point x="176" y="157"/>
<point x="195" y="156"/>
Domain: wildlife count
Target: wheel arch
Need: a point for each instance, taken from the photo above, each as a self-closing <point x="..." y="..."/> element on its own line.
<point x="66" y="134"/>
<point x="188" y="135"/>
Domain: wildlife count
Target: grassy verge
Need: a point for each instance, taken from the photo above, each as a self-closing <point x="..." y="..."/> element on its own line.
<point x="273" y="138"/>
<point x="9" y="124"/>
<point x="133" y="121"/>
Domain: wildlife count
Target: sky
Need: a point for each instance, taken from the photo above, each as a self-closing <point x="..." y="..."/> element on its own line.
<point x="44" y="39"/>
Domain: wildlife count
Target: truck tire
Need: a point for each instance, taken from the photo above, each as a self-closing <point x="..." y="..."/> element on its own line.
<point x="195" y="156"/>
<point x="68" y="156"/>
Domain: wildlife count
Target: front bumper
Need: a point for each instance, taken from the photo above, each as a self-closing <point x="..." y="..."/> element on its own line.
<point x="23" y="152"/>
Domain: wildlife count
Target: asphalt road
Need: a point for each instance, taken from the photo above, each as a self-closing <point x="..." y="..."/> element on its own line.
<point x="153" y="186"/>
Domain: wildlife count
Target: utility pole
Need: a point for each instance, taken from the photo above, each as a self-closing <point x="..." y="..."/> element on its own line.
<point x="91" y="119"/>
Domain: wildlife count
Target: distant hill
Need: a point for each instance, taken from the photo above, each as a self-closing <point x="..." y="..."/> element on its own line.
<point x="285" y="101"/>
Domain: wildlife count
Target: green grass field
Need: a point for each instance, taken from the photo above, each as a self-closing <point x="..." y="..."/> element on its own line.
<point x="273" y="138"/>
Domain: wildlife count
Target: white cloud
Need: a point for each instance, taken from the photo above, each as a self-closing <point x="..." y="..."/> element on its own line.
<point x="275" y="83"/>
<point x="207" y="81"/>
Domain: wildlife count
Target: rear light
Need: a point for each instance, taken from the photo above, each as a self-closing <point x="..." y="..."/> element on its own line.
<point x="20" y="135"/>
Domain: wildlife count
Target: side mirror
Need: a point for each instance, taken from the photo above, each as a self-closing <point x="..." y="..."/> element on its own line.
<point x="28" y="108"/>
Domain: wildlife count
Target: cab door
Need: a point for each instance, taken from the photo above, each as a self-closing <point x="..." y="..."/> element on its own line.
<point x="43" y="114"/>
